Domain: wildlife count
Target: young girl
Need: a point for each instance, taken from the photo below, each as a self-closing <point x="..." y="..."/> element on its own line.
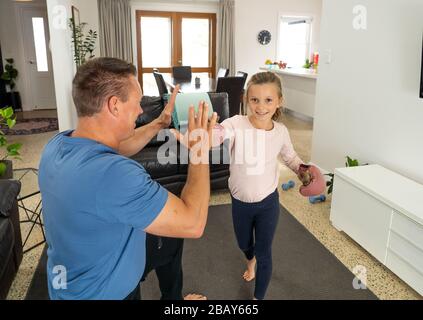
<point x="253" y="186"/>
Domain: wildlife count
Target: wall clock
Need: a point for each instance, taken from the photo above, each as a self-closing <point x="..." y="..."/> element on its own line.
<point x="264" y="37"/>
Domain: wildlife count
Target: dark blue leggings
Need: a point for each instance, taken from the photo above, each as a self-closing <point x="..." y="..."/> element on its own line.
<point x="255" y="225"/>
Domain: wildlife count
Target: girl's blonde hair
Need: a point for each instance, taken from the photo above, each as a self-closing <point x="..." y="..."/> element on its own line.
<point x="265" y="78"/>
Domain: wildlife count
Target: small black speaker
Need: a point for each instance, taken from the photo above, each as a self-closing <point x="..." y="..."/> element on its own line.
<point x="421" y="76"/>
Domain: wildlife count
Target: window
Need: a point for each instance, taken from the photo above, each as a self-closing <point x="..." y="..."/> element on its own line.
<point x="156" y="34"/>
<point x="40" y="44"/>
<point x="294" y="40"/>
<point x="195" y="42"/>
<point x="167" y="39"/>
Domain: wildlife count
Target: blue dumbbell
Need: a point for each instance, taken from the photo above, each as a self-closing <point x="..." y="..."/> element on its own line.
<point x="289" y="185"/>
<point x="316" y="199"/>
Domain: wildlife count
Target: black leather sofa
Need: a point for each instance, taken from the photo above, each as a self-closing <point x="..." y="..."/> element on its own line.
<point x="10" y="235"/>
<point x="173" y="176"/>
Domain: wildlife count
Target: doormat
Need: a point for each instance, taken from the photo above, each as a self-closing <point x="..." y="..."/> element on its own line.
<point x="32" y="126"/>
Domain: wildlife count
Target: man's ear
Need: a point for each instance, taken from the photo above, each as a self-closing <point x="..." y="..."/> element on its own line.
<point x="112" y="105"/>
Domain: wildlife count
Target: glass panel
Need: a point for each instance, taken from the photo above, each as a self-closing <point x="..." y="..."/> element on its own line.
<point x="200" y="75"/>
<point x="195" y="42"/>
<point x="149" y="84"/>
<point x="294" y="43"/>
<point x="156" y="42"/>
<point x="40" y="44"/>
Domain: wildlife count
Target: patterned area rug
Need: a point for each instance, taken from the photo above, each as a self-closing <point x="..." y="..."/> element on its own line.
<point x="32" y="126"/>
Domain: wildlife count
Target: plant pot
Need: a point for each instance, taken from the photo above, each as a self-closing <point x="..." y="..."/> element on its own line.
<point x="9" y="170"/>
<point x="14" y="100"/>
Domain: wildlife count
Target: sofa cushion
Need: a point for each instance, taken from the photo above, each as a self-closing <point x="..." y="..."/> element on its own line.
<point x="220" y="104"/>
<point x="9" y="190"/>
<point x="157" y="166"/>
<point x="7" y="241"/>
<point x="152" y="108"/>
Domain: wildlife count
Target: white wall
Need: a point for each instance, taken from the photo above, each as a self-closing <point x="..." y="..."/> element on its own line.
<point x="252" y="16"/>
<point x="61" y="49"/>
<point x="367" y="103"/>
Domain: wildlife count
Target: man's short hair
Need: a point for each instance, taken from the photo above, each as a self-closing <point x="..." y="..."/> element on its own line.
<point x="97" y="80"/>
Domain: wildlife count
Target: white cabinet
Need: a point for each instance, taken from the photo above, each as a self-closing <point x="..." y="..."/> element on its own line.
<point x="383" y="212"/>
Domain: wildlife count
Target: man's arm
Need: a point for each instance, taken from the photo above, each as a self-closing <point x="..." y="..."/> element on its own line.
<point x="144" y="134"/>
<point x="186" y="217"/>
<point x="140" y="139"/>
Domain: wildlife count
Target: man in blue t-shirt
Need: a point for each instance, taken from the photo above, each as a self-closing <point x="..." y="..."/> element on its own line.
<point x="97" y="203"/>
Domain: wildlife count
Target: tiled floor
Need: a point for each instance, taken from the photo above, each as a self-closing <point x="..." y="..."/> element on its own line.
<point x="314" y="217"/>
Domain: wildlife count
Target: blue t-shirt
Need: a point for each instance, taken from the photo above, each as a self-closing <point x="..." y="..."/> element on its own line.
<point x="96" y="204"/>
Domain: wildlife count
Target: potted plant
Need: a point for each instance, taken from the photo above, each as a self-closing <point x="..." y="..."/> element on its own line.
<point x="83" y="44"/>
<point x="349" y="163"/>
<point x="9" y="76"/>
<point x="7" y="119"/>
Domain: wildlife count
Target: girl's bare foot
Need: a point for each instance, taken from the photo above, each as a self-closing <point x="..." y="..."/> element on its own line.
<point x="194" y="296"/>
<point x="250" y="273"/>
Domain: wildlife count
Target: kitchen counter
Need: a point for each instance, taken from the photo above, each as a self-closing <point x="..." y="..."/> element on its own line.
<point x="299" y="89"/>
<point x="296" y="72"/>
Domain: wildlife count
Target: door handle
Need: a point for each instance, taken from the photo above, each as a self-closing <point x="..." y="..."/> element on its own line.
<point x="31" y="62"/>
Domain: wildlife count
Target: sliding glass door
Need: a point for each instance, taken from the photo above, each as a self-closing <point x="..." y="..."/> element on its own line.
<point x="166" y="39"/>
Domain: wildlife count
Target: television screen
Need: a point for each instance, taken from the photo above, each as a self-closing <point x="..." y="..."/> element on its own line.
<point x="421" y="77"/>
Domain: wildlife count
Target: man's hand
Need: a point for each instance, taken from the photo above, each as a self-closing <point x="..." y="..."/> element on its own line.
<point x="165" y="117"/>
<point x="198" y="137"/>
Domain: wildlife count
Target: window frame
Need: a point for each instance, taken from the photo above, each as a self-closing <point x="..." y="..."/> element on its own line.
<point x="176" y="46"/>
<point x="310" y="18"/>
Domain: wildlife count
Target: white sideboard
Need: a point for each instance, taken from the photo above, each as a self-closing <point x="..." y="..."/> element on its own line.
<point x="383" y="212"/>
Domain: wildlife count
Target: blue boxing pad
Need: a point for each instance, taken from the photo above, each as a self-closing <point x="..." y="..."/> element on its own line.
<point x="182" y="103"/>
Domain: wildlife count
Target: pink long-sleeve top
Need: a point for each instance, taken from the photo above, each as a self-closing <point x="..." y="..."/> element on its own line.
<point x="254" y="156"/>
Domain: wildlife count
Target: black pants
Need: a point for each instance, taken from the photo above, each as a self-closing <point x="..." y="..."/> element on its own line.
<point x="134" y="295"/>
<point x="164" y="255"/>
<point x="255" y="225"/>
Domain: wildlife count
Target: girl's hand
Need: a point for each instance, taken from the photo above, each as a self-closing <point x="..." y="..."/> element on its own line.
<point x="313" y="181"/>
<point x="218" y="135"/>
<point x="198" y="138"/>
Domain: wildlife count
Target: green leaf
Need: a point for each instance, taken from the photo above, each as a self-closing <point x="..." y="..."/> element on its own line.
<point x="13" y="153"/>
<point x="2" y="168"/>
<point x="8" y="112"/>
<point x="14" y="147"/>
<point x="11" y="123"/>
<point x="351" y="162"/>
<point x="3" y="141"/>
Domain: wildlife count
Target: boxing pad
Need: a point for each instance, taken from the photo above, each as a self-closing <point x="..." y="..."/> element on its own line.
<point x="313" y="181"/>
<point x="181" y="111"/>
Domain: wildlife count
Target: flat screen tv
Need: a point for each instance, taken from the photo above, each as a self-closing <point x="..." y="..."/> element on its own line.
<point x="421" y="76"/>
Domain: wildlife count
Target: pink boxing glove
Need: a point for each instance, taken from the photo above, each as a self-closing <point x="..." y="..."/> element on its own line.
<point x="313" y="181"/>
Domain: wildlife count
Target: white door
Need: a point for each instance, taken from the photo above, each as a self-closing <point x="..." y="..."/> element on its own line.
<point x="39" y="71"/>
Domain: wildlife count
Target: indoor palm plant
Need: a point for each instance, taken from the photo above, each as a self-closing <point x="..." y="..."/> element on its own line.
<point x="83" y="44"/>
<point x="7" y="119"/>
